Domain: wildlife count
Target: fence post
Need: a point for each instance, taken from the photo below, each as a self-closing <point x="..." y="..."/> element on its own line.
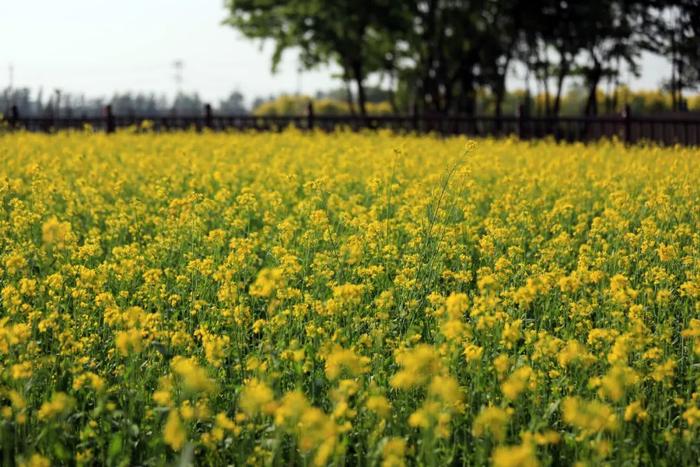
<point x="14" y="117"/>
<point x="110" y="124"/>
<point x="499" y="123"/>
<point x="310" y="115"/>
<point x="52" y="123"/>
<point x="522" y="116"/>
<point x="414" y="116"/>
<point x="208" y="118"/>
<point x="627" y="116"/>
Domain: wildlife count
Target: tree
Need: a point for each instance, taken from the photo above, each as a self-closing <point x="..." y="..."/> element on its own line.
<point x="673" y="31"/>
<point x="684" y="31"/>
<point x="441" y="56"/>
<point x="503" y="30"/>
<point x="187" y="104"/>
<point x="609" y="40"/>
<point x="342" y="32"/>
<point x="233" y="104"/>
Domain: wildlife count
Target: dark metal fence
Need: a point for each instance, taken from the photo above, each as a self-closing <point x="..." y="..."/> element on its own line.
<point x="627" y="127"/>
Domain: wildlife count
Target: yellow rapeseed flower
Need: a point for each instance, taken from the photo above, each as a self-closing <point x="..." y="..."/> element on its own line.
<point x="60" y="404"/>
<point x="379" y="405"/>
<point x="36" y="460"/>
<point x="418" y="365"/>
<point x="55" y="232"/>
<point x="491" y="420"/>
<point x="393" y="453"/>
<point x="174" y="433"/>
<point x="522" y="455"/>
<point x="256" y="398"/>
<point x="589" y="416"/>
<point x="341" y="361"/>
<point x="128" y="342"/>
<point x="194" y="377"/>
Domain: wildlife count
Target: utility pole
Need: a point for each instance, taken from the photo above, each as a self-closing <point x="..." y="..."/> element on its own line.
<point x="178" y="67"/>
<point x="8" y="91"/>
<point x="58" y="101"/>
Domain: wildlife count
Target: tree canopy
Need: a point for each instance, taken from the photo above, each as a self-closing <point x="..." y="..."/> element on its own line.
<point x="437" y="55"/>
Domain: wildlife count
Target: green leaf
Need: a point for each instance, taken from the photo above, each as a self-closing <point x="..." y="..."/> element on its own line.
<point x="115" y="446"/>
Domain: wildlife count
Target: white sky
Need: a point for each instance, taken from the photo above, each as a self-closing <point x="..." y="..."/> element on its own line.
<point x="98" y="47"/>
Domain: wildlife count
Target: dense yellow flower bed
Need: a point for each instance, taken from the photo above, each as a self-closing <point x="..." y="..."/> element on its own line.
<point x="356" y="299"/>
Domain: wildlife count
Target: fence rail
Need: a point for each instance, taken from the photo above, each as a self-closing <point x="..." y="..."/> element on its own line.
<point x="627" y="127"/>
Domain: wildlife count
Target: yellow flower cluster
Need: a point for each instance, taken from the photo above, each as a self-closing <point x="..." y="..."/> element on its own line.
<point x="347" y="299"/>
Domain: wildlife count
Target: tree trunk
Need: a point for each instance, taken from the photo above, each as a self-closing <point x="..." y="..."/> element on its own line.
<point x="499" y="114"/>
<point x="359" y="81"/>
<point x="545" y="87"/>
<point x="361" y="97"/>
<point x="561" y="75"/>
<point x="392" y="100"/>
<point x="679" y="88"/>
<point x="674" y="83"/>
<point x="467" y="99"/>
<point x="593" y="81"/>
<point x="501" y="89"/>
<point x="349" y="98"/>
<point x="592" y="101"/>
<point x="417" y="96"/>
<point x="528" y="95"/>
<point x="500" y="95"/>
<point x="429" y="37"/>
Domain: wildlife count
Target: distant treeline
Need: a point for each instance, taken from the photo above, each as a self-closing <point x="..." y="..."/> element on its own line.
<point x="332" y="102"/>
<point x="573" y="103"/>
<point x="443" y="56"/>
<point x="128" y="103"/>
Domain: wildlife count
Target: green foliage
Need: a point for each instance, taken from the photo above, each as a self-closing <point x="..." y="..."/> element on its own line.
<point x="297" y="105"/>
<point x="441" y="56"/>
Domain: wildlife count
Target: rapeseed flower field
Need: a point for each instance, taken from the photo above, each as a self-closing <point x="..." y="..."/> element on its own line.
<point x="347" y="299"/>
